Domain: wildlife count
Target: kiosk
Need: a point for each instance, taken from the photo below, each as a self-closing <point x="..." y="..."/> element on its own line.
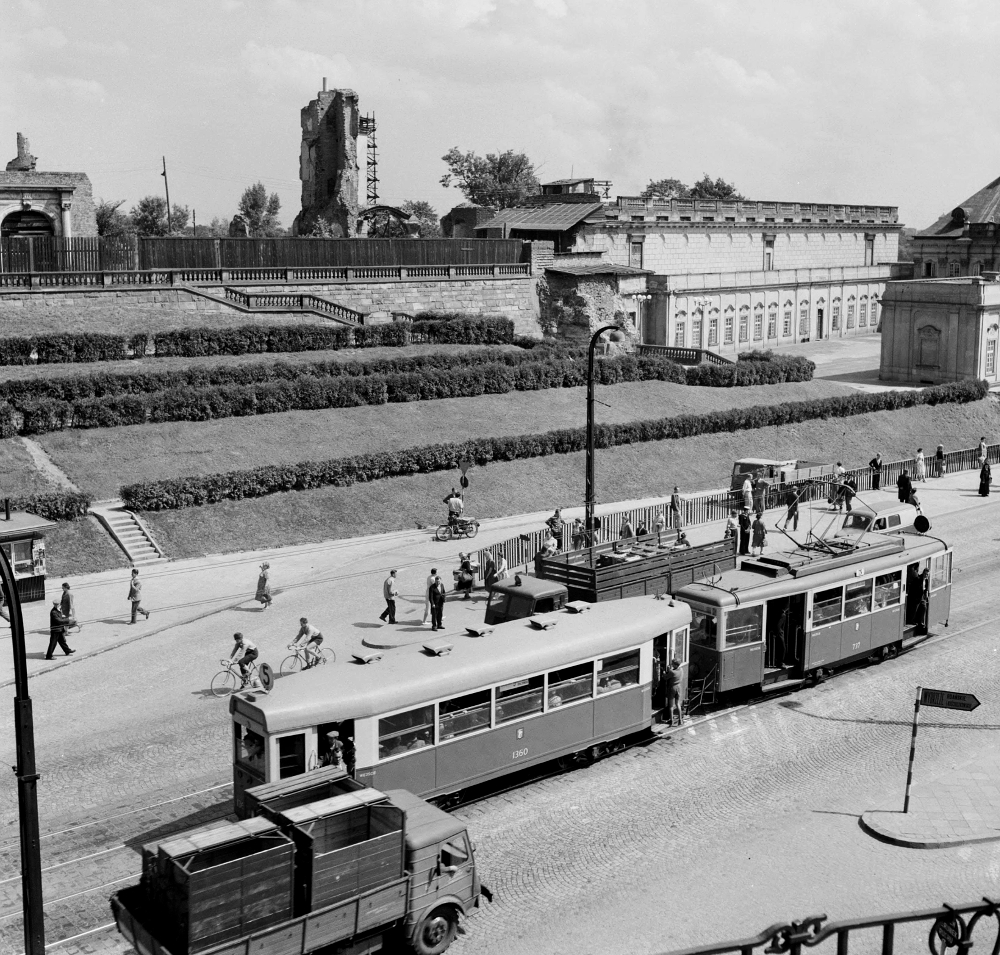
<point x="23" y="541"/>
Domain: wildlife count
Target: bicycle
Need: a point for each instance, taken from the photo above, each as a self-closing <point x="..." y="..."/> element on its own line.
<point x="229" y="680"/>
<point x="462" y="527"/>
<point x="297" y="661"/>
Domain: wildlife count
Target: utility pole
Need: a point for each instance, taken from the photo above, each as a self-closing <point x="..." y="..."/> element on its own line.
<point x="166" y="186"/>
<point x="591" y="488"/>
<point x="194" y="222"/>
<point x="27" y="778"/>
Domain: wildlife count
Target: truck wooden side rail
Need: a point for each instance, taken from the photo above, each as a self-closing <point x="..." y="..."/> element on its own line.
<point x="631" y="568"/>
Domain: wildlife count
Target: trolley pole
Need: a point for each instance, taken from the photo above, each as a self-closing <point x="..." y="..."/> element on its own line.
<point x="166" y="188"/>
<point x="27" y="778"/>
<point x="913" y="749"/>
<point x="590" y="489"/>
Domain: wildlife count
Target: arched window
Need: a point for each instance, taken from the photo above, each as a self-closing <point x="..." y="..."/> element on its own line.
<point x="786" y="319"/>
<point x="772" y="319"/>
<point x="803" y="319"/>
<point x="680" y="326"/>
<point x="713" y="327"/>
<point x="850" y="312"/>
<point x="758" y="323"/>
<point x="696" y="323"/>
<point x="835" y="315"/>
<point x="730" y="319"/>
<point x="745" y="323"/>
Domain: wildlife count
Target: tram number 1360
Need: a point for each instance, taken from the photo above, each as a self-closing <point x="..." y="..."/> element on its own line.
<point x="518" y="753"/>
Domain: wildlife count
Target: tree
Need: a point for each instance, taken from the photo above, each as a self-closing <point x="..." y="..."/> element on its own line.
<point x="497" y="181"/>
<point x="110" y="219"/>
<point x="180" y="216"/>
<point x="218" y="227"/>
<point x="149" y="216"/>
<point x="665" y="189"/>
<point x="423" y="212"/>
<point x="705" y="188"/>
<point x="260" y="210"/>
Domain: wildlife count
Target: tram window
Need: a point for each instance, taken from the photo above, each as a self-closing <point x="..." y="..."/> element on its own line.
<point x="888" y="588"/>
<point x="403" y="732"/>
<point x="680" y="645"/>
<point x="248" y="748"/>
<point x="703" y="629"/>
<point x="618" y="671"/>
<point x="291" y="755"/>
<point x="827" y="606"/>
<point x="940" y="571"/>
<point x="858" y="599"/>
<point x="571" y="684"/>
<point x="743" y="626"/>
<point x="464" y="714"/>
<point x="522" y="698"/>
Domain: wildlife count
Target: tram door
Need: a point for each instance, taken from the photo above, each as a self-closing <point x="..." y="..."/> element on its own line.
<point x="917" y="596"/>
<point x="661" y="660"/>
<point x="785" y="632"/>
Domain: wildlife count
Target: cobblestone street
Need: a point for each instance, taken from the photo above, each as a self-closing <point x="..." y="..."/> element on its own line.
<point x="713" y="832"/>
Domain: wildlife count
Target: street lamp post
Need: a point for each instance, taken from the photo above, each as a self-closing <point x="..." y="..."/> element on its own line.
<point x="589" y="518"/>
<point x="27" y="778"/>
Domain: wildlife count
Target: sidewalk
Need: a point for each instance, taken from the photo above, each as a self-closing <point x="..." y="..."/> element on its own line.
<point x="957" y="807"/>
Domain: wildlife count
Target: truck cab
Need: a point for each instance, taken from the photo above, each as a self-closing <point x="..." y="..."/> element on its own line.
<point x="778" y="472"/>
<point x="524" y="596"/>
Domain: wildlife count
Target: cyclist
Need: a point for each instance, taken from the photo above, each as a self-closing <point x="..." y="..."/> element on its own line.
<point x="311" y="639"/>
<point x="249" y="650"/>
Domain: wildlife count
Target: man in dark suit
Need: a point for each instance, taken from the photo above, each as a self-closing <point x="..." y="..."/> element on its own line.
<point x="57" y="631"/>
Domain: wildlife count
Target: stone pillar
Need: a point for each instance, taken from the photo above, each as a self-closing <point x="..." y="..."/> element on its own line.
<point x="67" y="223"/>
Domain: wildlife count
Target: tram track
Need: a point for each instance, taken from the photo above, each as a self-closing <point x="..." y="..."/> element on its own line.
<point x="77" y="895"/>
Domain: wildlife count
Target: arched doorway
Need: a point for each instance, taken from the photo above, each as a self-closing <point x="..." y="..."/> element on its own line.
<point x="26" y="222"/>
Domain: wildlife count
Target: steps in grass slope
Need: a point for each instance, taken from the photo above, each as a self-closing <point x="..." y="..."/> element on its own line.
<point x="130" y="533"/>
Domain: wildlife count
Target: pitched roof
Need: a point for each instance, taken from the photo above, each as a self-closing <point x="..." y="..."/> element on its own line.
<point x="984" y="206"/>
<point x="552" y="217"/>
<point x="596" y="268"/>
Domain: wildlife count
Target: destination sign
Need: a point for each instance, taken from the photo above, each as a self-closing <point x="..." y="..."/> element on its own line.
<point x="948" y="700"/>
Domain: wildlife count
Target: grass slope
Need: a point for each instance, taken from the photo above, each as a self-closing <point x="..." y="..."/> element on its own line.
<point x="539" y="484"/>
<point x="100" y="460"/>
<point x="80" y="547"/>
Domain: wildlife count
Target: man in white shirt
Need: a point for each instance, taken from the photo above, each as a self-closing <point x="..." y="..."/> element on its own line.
<point x="427" y="595"/>
<point x="390" y="592"/>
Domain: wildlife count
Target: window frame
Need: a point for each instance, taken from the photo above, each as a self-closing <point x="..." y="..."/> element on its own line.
<point x="863" y="312"/>
<point x="787" y="319"/>
<point x="616" y="660"/>
<point x="893" y="580"/>
<point x="772" y="320"/>
<point x="944" y="561"/>
<point x="804" y="329"/>
<point x="524" y="681"/>
<point x="580" y="699"/>
<point x="744" y="323"/>
<point x="827" y="621"/>
<point x="729" y="323"/>
<point x="413" y="728"/>
<point x="486" y="706"/>
<point x="758" y="610"/>
<point x="855" y="592"/>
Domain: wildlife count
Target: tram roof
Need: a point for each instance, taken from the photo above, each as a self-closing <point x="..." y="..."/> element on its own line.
<point x="802" y="570"/>
<point x="410" y="676"/>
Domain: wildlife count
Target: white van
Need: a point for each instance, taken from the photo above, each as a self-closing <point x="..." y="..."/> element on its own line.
<point x="891" y="519"/>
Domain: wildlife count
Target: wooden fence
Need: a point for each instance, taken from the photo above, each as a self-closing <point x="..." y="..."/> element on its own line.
<point x="95" y="254"/>
<point x="716" y="505"/>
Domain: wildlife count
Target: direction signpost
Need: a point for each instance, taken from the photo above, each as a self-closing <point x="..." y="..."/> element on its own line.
<point x="944" y="699"/>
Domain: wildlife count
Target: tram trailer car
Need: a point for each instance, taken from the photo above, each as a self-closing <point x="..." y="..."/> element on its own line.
<point x="349" y="871"/>
<point x="788" y="617"/>
<point x="610" y="571"/>
<point x="464" y="710"/>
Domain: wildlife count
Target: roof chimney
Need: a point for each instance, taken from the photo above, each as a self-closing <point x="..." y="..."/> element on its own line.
<point x="324" y="84"/>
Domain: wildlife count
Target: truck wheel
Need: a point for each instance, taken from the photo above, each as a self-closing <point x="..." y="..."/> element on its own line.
<point x="436" y="932"/>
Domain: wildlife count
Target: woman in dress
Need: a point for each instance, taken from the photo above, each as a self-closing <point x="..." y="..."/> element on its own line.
<point x="985" y="476"/>
<point x="263" y="594"/>
<point x="921" y="468"/>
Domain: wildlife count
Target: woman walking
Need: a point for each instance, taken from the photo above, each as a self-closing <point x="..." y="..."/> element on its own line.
<point x="263" y="594"/>
<point x="921" y="469"/>
<point x="985" y="475"/>
<point x="759" y="535"/>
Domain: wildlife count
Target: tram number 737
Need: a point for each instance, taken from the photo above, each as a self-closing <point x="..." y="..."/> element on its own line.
<point x="518" y="753"/>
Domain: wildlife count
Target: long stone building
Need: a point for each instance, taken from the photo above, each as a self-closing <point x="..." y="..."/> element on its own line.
<point x="730" y="275"/>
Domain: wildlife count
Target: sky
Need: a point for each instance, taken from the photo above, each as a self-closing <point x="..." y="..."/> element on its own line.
<point x="857" y="101"/>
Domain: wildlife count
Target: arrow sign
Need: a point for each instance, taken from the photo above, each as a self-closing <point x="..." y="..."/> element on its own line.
<point x="464" y="465"/>
<point x="948" y="700"/>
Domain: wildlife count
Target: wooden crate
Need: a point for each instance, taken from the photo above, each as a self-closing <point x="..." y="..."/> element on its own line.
<point x="274" y="798"/>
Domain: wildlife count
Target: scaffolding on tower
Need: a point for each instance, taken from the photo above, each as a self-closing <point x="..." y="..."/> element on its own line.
<point x="367" y="129"/>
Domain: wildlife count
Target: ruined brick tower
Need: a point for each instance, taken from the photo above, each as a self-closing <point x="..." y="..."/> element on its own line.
<point x="328" y="166"/>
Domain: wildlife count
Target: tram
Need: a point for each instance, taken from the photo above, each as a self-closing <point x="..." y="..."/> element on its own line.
<point x="787" y="618"/>
<point x="439" y="718"/>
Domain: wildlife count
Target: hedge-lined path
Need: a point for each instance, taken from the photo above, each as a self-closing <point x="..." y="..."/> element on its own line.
<point x="626" y="472"/>
<point x="100" y="460"/>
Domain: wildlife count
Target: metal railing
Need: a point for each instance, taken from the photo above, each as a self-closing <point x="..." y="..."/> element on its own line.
<point x="951" y="926"/>
<point x="685" y="356"/>
<point x="709" y="506"/>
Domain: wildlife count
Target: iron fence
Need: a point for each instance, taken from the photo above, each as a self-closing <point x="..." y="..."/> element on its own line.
<point x="956" y="927"/>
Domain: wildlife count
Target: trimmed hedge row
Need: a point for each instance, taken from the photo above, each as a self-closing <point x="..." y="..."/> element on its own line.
<point x="191" y="401"/>
<point x="251" y="339"/>
<point x="57" y="506"/>
<point x="753" y="368"/>
<point x="342" y="472"/>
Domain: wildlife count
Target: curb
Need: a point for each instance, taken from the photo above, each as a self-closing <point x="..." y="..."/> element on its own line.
<point x="869" y="821"/>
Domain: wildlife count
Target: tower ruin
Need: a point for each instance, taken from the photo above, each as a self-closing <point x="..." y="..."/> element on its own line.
<point x="328" y="165"/>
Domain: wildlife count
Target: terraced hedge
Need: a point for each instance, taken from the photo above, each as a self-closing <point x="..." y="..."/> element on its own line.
<point x="342" y="472"/>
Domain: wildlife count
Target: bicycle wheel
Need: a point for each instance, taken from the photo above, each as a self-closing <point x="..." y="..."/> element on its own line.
<point x="472" y="528"/>
<point x="291" y="664"/>
<point x="224" y="682"/>
<point x="443" y="533"/>
<point x="326" y="655"/>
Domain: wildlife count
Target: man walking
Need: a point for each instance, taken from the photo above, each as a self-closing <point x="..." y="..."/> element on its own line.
<point x="390" y="592"/>
<point x="876" y="465"/>
<point x="427" y="596"/>
<point x="675" y="509"/>
<point x="745" y="524"/>
<point x="437" y="594"/>
<point x="135" y="595"/>
<point x="68" y="607"/>
<point x="792" y="503"/>
<point x="57" y="631"/>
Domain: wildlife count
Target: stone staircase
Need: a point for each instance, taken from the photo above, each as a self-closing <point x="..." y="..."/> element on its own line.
<point x="130" y="533"/>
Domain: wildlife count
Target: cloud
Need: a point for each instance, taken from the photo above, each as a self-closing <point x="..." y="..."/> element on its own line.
<point x="554" y="8"/>
<point x="289" y="66"/>
<point x="734" y="74"/>
<point x="67" y="85"/>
